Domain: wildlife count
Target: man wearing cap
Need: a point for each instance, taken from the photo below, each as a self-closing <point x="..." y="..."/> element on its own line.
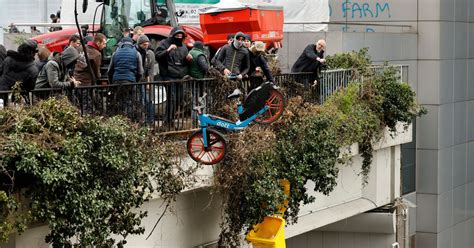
<point x="148" y="57"/>
<point x="200" y="63"/>
<point x="19" y="66"/>
<point x="93" y="48"/>
<point x="234" y="58"/>
<point x="148" y="61"/>
<point x="258" y="64"/>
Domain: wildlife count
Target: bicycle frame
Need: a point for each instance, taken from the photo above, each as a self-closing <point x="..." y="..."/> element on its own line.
<point x="206" y="120"/>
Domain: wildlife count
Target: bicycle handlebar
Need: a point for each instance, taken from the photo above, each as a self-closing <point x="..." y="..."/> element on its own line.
<point x="202" y="101"/>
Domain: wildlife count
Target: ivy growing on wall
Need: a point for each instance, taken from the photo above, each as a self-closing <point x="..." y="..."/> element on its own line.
<point x="305" y="146"/>
<point x="81" y="176"/>
<point x="84" y="175"/>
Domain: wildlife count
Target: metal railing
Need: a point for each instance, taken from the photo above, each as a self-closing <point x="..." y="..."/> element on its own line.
<point x="167" y="106"/>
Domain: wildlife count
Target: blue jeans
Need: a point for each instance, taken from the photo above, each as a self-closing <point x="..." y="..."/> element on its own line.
<point x="146" y="100"/>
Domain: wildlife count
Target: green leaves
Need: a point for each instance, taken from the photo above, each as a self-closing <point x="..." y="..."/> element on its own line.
<point x="83" y="175"/>
<point x="306" y="146"/>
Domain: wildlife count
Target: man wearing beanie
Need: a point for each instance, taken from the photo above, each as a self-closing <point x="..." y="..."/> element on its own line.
<point x="93" y="48"/>
<point x="234" y="58"/>
<point x="148" y="57"/>
<point x="200" y="63"/>
<point x="20" y="66"/>
<point x="148" y="61"/>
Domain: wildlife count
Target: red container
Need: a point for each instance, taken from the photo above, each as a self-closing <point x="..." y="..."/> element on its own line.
<point x="262" y="23"/>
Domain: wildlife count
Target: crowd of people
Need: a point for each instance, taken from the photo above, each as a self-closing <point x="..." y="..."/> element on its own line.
<point x="133" y="61"/>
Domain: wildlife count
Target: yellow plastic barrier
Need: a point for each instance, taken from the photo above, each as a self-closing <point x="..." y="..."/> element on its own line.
<point x="286" y="189"/>
<point x="270" y="233"/>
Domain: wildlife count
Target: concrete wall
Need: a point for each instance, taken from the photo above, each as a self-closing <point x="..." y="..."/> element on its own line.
<point x="317" y="239"/>
<point x="195" y="216"/>
<point x="445" y="175"/>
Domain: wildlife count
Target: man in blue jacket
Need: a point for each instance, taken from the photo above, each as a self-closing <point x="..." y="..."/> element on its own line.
<point x="125" y="67"/>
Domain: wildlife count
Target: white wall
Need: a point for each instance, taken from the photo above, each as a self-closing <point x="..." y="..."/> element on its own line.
<point x="36" y="11"/>
<point x="196" y="214"/>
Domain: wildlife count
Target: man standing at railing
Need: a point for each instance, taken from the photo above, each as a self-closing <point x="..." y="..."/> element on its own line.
<point x="93" y="49"/>
<point x="173" y="60"/>
<point x="19" y="66"/>
<point x="234" y="58"/>
<point x="312" y="59"/>
<point x="146" y="91"/>
<point x="125" y="67"/>
<point x="55" y="73"/>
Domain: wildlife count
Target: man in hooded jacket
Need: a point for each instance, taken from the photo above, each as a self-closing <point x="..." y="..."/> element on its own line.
<point x="172" y="57"/>
<point x="55" y="74"/>
<point x="234" y="58"/>
<point x="19" y="66"/>
<point x="3" y="55"/>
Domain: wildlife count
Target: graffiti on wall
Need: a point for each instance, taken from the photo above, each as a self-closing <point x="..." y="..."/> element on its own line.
<point x="359" y="10"/>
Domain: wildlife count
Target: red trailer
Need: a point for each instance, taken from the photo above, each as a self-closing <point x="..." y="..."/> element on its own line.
<point x="263" y="23"/>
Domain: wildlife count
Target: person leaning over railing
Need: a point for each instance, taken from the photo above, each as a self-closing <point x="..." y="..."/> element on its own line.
<point x="312" y="59"/>
<point x="258" y="65"/>
<point x="55" y="73"/>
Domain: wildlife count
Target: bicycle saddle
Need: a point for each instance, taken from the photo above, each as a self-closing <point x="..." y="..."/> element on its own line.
<point x="235" y="94"/>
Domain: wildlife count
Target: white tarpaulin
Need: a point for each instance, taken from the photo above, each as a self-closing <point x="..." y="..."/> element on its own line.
<point x="305" y="15"/>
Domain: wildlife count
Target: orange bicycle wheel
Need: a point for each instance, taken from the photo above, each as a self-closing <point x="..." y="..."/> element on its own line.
<point x="215" y="150"/>
<point x="275" y="105"/>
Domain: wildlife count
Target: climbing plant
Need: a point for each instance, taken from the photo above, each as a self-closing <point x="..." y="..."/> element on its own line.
<point x="83" y="176"/>
<point x="305" y="146"/>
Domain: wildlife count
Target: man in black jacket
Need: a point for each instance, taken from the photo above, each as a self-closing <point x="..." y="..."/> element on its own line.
<point x="19" y="66"/>
<point x="171" y="56"/>
<point x="234" y="58"/>
<point x="258" y="65"/>
<point x="311" y="59"/>
<point x="173" y="59"/>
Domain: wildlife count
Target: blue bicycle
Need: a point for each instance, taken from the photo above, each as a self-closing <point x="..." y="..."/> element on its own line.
<point x="263" y="104"/>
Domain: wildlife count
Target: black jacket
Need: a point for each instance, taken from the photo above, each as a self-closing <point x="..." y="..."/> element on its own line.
<point x="258" y="60"/>
<point x="307" y="61"/>
<point x="235" y="60"/>
<point x="172" y="64"/>
<point x="18" y="67"/>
